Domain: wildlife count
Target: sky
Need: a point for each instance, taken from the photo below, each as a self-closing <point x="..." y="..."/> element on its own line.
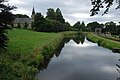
<point x="72" y="10"/>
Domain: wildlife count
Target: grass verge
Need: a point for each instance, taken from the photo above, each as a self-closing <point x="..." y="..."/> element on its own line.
<point x="26" y="50"/>
<point x="107" y="43"/>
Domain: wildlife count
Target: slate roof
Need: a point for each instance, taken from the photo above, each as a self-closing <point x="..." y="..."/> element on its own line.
<point x="22" y="20"/>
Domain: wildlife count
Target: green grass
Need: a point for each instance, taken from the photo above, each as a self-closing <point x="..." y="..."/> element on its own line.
<point x="26" y="50"/>
<point x="26" y="41"/>
<point x="111" y="44"/>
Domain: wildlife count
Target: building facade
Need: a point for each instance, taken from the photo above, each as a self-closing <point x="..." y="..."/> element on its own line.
<point x="22" y="21"/>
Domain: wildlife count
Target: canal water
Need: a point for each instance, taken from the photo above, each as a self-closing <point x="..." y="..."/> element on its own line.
<point x="81" y="60"/>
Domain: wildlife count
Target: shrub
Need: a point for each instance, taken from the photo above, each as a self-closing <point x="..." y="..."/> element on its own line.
<point x="18" y="25"/>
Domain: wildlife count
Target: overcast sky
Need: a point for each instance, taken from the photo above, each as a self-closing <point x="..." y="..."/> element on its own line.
<point x="72" y="10"/>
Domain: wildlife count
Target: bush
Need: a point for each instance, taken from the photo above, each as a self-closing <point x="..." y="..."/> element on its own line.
<point x="18" y="25"/>
<point x="25" y="25"/>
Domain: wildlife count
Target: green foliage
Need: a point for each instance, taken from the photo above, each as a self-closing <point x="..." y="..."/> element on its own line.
<point x="26" y="25"/>
<point x="67" y="26"/>
<point x="51" y="14"/>
<point x="6" y="17"/>
<point x="54" y="22"/>
<point x="21" y="16"/>
<point x="91" y="26"/>
<point x="59" y="16"/>
<point x="49" y="24"/>
<point x="83" y="26"/>
<point x="6" y="72"/>
<point x="55" y="15"/>
<point x="98" y="4"/>
<point x="19" y="25"/>
<point x="103" y="41"/>
<point x="24" y="53"/>
<point x="111" y="27"/>
<point x="12" y="25"/>
<point x="53" y="26"/>
<point x="79" y="26"/>
<point x="32" y="25"/>
<point x="39" y="22"/>
<point x="108" y="27"/>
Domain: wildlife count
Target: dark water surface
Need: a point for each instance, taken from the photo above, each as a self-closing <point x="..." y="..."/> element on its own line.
<point x="85" y="61"/>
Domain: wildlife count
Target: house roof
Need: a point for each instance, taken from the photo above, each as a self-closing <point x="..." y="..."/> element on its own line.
<point x="22" y="20"/>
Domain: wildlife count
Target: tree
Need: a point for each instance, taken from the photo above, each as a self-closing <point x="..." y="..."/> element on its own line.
<point x="83" y="26"/>
<point x="98" y="4"/>
<point x="77" y="25"/>
<point x="53" y="26"/>
<point x="21" y="16"/>
<point x="59" y="16"/>
<point x="67" y="26"/>
<point x="91" y="26"/>
<point x="18" y="25"/>
<point x="12" y="24"/>
<point x="118" y="29"/>
<point x="111" y="27"/>
<point x="54" y="20"/>
<point x="51" y="14"/>
<point x="39" y="22"/>
<point x="6" y="17"/>
<point x="25" y="25"/>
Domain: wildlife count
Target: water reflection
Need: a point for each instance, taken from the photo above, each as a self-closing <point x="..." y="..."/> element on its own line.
<point x="118" y="69"/>
<point x="81" y="61"/>
<point x="77" y="39"/>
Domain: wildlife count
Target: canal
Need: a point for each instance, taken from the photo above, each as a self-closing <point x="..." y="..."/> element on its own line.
<point x="81" y="59"/>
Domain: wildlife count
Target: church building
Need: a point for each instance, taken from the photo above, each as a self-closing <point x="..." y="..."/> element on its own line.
<point x="22" y="21"/>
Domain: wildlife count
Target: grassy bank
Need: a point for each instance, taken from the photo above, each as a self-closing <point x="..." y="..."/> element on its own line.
<point x="107" y="43"/>
<point x="26" y="50"/>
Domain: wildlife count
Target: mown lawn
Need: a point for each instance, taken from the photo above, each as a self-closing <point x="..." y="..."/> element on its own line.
<point x="26" y="41"/>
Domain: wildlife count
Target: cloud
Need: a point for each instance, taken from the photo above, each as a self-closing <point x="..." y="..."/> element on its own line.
<point x="73" y="10"/>
<point x="81" y="15"/>
<point x="16" y="2"/>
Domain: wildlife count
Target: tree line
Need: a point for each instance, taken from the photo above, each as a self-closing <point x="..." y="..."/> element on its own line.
<point x="108" y="27"/>
<point x="53" y="22"/>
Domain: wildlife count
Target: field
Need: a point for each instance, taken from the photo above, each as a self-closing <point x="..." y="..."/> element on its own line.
<point x="26" y="49"/>
<point x="26" y="41"/>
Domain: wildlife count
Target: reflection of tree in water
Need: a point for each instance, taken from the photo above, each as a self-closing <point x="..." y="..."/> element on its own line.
<point x="118" y="69"/>
<point x="58" y="50"/>
<point x="118" y="78"/>
<point x="79" y="38"/>
<point x="47" y="58"/>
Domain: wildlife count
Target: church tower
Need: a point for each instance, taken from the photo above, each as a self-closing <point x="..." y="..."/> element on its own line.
<point x="33" y="14"/>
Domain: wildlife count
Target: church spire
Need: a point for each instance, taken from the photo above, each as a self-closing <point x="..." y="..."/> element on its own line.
<point x="33" y="14"/>
<point x="33" y="11"/>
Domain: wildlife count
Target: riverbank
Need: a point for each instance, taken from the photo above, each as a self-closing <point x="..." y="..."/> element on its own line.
<point x="107" y="43"/>
<point x="26" y="50"/>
